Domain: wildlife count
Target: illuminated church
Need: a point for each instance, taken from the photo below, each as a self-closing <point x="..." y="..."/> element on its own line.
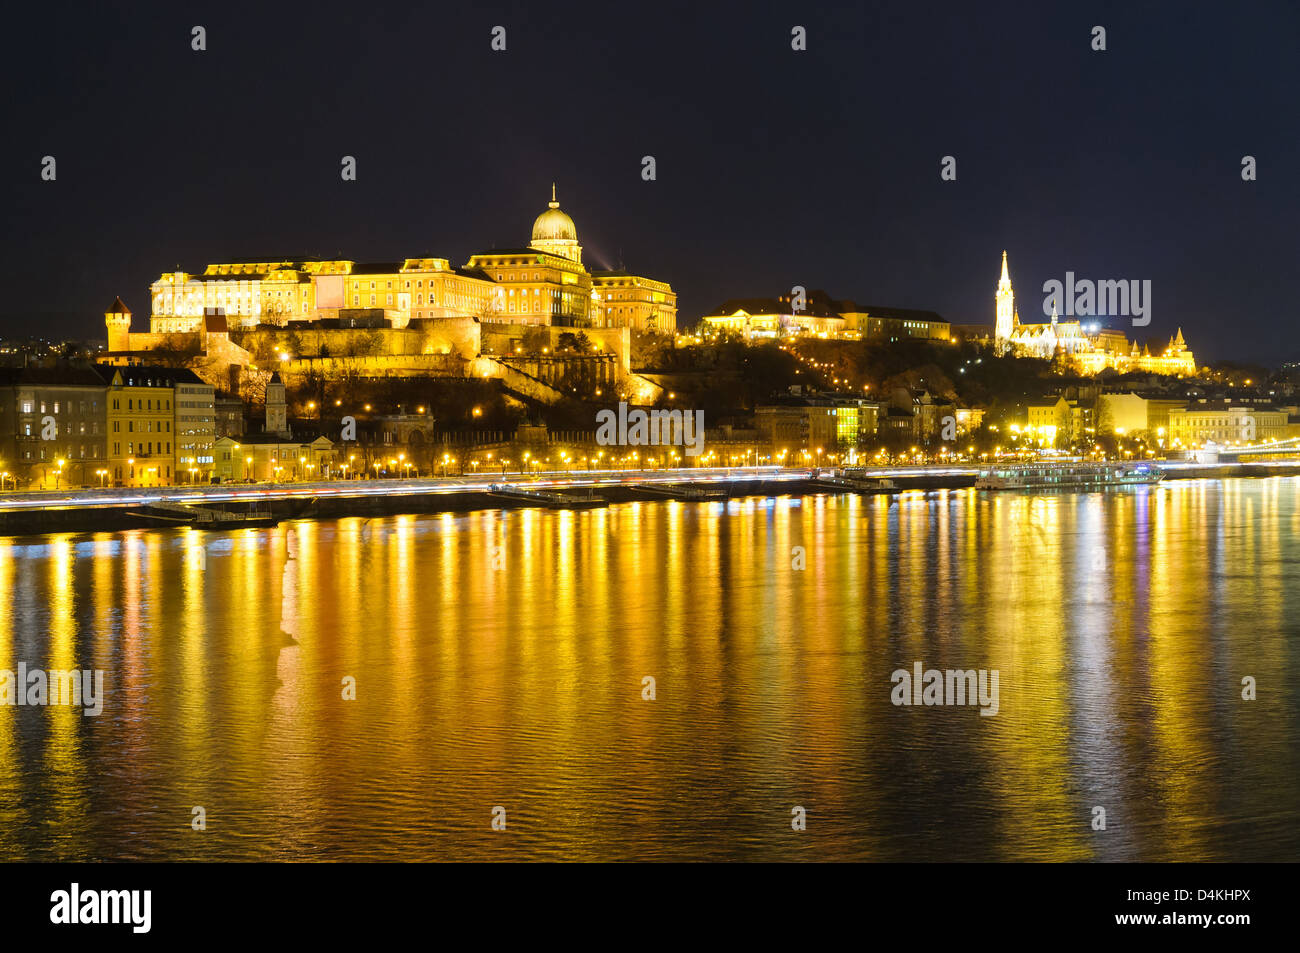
<point x="1089" y="348"/>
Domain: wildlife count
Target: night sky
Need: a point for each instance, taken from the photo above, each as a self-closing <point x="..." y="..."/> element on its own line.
<point x="775" y="167"/>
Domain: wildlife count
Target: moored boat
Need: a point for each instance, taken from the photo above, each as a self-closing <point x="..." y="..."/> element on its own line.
<point x="163" y="511"/>
<point x="1050" y="476"/>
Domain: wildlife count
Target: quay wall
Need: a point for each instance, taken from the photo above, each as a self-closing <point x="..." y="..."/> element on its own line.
<point x="95" y="519"/>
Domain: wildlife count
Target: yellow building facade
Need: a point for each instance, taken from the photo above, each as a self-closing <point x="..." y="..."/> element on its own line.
<point x="1225" y="425"/>
<point x="542" y="283"/>
<point x="273" y="458"/>
<point x="140" y="427"/>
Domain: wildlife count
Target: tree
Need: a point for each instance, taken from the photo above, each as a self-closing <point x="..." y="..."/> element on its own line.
<point x="176" y="352"/>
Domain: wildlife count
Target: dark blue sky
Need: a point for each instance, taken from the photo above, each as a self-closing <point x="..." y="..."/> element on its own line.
<point x="775" y="168"/>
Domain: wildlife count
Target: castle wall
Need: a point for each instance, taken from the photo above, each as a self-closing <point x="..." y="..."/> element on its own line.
<point x="503" y="338"/>
<point x="428" y="336"/>
<point x="149" y="341"/>
<point x="382" y="365"/>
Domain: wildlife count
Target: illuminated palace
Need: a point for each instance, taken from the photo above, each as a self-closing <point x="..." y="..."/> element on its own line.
<point x="1089" y="348"/>
<point x="415" y="316"/>
<point x="544" y="283"/>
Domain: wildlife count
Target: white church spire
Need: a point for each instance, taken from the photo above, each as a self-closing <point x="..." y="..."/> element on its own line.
<point x="1006" y="308"/>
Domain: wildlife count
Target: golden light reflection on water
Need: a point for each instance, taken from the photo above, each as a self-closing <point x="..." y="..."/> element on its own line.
<point x="499" y="659"/>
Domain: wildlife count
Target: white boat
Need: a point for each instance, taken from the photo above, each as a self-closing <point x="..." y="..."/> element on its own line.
<point x="1048" y="476"/>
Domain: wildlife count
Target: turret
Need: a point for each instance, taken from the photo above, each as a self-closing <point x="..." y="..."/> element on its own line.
<point x="118" y="320"/>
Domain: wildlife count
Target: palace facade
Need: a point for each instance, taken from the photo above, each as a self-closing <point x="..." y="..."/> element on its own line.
<point x="544" y="283"/>
<point x="422" y="317"/>
<point x="1089" y="348"/>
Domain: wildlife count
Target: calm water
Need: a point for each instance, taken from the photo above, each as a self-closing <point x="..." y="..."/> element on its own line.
<point x="499" y="660"/>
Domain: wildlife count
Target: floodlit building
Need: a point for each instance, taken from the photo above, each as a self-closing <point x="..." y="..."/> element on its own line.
<point x="798" y="423"/>
<point x="196" y="430"/>
<point x="51" y="427"/>
<point x="1225" y="424"/>
<point x="816" y="314"/>
<point x="270" y="457"/>
<point x="142" y="438"/>
<point x="1132" y="413"/>
<point x="420" y="317"/>
<point x="1061" y="421"/>
<point x="830" y="422"/>
<point x="1088" y="346"/>
<point x="542" y="283"/>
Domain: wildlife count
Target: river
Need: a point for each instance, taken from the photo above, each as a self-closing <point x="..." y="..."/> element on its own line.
<point x="669" y="681"/>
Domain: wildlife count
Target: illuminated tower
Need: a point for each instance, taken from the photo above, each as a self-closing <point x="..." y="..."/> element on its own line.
<point x="118" y="320"/>
<point x="277" y="409"/>
<point x="555" y="232"/>
<point x="1006" y="302"/>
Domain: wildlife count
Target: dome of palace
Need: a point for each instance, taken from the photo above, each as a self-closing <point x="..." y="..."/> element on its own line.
<point x="554" y="225"/>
